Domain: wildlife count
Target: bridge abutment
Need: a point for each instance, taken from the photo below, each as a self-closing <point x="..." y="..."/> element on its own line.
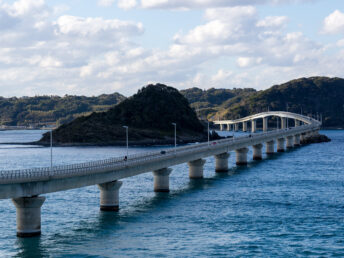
<point x="196" y="168"/>
<point x="257" y="151"/>
<point x="109" y="195"/>
<point x="280" y="144"/>
<point x="241" y="156"/>
<point x="270" y="147"/>
<point x="28" y="215"/>
<point x="162" y="180"/>
<point x="290" y="142"/>
<point x="221" y="162"/>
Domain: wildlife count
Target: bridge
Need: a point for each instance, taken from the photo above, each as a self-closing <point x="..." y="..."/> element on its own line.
<point x="252" y="120"/>
<point x="25" y="187"/>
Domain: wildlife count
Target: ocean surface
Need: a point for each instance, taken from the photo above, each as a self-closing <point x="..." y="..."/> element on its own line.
<point x="288" y="205"/>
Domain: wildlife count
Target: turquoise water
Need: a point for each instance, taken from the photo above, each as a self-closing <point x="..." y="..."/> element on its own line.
<point x="290" y="204"/>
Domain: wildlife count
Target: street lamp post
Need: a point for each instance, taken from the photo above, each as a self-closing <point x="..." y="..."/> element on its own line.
<point x="127" y="140"/>
<point x="208" y="133"/>
<point x="175" y="137"/>
<point x="51" y="149"/>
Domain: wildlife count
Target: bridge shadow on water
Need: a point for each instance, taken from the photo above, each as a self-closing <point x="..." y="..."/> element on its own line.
<point x="108" y="223"/>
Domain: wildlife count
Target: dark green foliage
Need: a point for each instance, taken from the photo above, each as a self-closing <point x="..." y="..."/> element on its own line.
<point x="315" y="95"/>
<point x="42" y="109"/>
<point x="149" y="115"/>
<point x="207" y="102"/>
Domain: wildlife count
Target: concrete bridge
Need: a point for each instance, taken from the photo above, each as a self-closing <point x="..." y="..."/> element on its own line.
<point x="25" y="187"/>
<point x="252" y="121"/>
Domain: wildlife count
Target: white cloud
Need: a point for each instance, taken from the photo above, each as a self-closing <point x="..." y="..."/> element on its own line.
<point x="248" y="61"/>
<point x="334" y="23"/>
<point x="273" y="21"/>
<point x="127" y="4"/>
<point x="200" y="4"/>
<point x="71" y="25"/>
<point x="105" y="3"/>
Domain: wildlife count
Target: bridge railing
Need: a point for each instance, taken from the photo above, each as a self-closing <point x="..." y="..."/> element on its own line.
<point x="46" y="173"/>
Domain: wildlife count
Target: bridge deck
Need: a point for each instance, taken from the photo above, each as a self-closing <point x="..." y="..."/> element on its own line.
<point x="36" y="181"/>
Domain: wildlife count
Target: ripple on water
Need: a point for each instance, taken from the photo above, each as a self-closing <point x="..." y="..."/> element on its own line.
<point x="291" y="204"/>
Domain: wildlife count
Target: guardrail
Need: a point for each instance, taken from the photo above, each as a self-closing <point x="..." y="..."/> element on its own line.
<point x="99" y="166"/>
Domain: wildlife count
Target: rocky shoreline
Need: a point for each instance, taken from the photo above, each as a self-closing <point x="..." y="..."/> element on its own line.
<point x="319" y="138"/>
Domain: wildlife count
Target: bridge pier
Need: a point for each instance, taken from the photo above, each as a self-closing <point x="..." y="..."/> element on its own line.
<point x="221" y="162"/>
<point x="162" y="180"/>
<point x="241" y="156"/>
<point x="290" y="142"/>
<point x="265" y="124"/>
<point x="109" y="195"/>
<point x="257" y="151"/>
<point x="244" y="126"/>
<point x="280" y="144"/>
<point x="270" y="148"/>
<point x="302" y="136"/>
<point x="236" y="127"/>
<point x="196" y="168"/>
<point x="228" y="127"/>
<point x="283" y="123"/>
<point x="221" y="127"/>
<point x="253" y="126"/>
<point x="28" y="215"/>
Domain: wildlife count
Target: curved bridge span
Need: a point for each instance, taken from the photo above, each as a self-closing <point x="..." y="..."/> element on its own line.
<point x="24" y="187"/>
<point x="252" y="120"/>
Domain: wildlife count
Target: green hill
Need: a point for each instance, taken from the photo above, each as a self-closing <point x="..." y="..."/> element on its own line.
<point x="311" y="96"/>
<point x="149" y="115"/>
<point x="42" y="109"/>
<point x="207" y="102"/>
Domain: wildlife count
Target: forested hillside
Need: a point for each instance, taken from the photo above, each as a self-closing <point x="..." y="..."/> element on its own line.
<point x="42" y="109"/>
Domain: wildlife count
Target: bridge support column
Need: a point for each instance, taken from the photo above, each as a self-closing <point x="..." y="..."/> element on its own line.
<point x="297" y="140"/>
<point x="253" y="126"/>
<point x="28" y="215"/>
<point x="265" y="124"/>
<point x="221" y="127"/>
<point x="162" y="180"/>
<point x="244" y="126"/>
<point x="297" y="122"/>
<point x="236" y="127"/>
<point x="221" y="162"/>
<point x="196" y="168"/>
<point x="257" y="151"/>
<point x="109" y="195"/>
<point x="280" y="144"/>
<point x="270" y="148"/>
<point x="283" y="123"/>
<point x="241" y="156"/>
<point x="228" y="127"/>
<point x="290" y="142"/>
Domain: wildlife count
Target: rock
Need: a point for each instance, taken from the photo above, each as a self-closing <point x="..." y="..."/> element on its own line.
<point x="315" y="139"/>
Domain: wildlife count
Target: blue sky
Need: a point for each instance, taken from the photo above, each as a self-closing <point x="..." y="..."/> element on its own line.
<point x="90" y="47"/>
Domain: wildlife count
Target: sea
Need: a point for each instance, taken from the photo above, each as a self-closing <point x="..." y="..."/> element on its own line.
<point x="289" y="204"/>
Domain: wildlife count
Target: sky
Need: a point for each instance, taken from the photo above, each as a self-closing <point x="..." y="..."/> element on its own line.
<point x="92" y="47"/>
